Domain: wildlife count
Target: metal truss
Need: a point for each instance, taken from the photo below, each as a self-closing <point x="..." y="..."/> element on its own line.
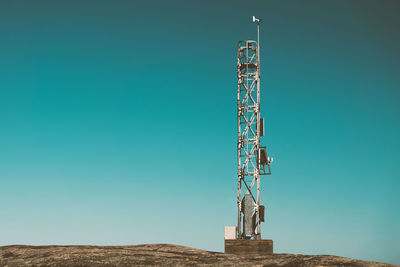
<point x="252" y="158"/>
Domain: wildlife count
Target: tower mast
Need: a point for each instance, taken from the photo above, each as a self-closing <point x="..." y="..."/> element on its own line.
<point x="253" y="160"/>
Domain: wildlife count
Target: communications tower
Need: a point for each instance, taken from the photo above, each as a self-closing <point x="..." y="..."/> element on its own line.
<point x="253" y="160"/>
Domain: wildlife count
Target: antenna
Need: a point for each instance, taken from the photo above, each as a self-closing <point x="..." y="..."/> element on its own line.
<point x="253" y="160"/>
<point x="255" y="19"/>
<point x="258" y="36"/>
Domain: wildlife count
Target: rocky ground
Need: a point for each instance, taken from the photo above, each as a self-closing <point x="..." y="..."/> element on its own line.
<point x="156" y="255"/>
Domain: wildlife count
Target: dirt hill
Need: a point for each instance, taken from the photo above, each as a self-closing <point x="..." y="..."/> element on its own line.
<point x="156" y="254"/>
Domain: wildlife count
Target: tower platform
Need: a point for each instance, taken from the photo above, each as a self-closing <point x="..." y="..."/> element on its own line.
<point x="249" y="247"/>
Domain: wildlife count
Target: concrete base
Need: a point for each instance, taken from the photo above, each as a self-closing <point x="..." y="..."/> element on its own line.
<point x="250" y="247"/>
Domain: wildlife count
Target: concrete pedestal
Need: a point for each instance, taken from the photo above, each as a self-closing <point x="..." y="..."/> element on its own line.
<point x="249" y="247"/>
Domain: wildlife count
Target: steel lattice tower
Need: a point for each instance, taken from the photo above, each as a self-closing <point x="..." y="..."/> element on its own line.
<point x="252" y="158"/>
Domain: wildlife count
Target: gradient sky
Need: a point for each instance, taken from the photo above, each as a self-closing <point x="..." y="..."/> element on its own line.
<point x="118" y="123"/>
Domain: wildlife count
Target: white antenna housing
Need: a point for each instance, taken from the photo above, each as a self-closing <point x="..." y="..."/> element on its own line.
<point x="256" y="19"/>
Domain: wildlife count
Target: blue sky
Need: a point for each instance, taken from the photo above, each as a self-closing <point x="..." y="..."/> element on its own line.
<point x="118" y="123"/>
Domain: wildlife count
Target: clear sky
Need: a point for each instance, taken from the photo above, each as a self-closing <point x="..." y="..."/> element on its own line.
<point x="118" y="123"/>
